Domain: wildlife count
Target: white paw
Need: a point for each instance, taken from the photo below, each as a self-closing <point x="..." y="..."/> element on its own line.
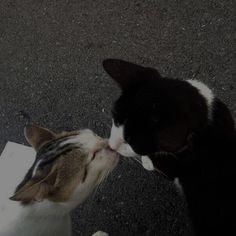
<point x="147" y="163"/>
<point x="100" y="233"/>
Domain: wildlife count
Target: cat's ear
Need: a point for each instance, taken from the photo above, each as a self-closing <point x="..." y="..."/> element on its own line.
<point x="128" y="74"/>
<point x="32" y="192"/>
<point x="37" y="188"/>
<point x="37" y="136"/>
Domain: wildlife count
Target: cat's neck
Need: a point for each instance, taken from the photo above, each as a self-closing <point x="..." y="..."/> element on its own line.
<point x="211" y="159"/>
<point x="44" y="209"/>
<point x="36" y="217"/>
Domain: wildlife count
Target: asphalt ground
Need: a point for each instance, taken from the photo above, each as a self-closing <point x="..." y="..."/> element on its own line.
<point x="50" y="67"/>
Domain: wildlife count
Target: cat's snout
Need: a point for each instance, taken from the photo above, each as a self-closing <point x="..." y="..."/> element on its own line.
<point x="115" y="145"/>
<point x="103" y="143"/>
<point x="110" y="148"/>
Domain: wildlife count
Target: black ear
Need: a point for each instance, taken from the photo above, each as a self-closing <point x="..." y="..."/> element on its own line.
<point x="127" y="74"/>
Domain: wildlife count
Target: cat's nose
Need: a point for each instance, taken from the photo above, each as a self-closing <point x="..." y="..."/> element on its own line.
<point x="114" y="145"/>
<point x="110" y="148"/>
<point x="111" y="145"/>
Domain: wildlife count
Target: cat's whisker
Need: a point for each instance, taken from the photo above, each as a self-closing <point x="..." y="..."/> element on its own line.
<point x="160" y="172"/>
<point x="104" y="179"/>
<point x="101" y="182"/>
<point x="95" y="191"/>
<point x="137" y="160"/>
<point x="128" y="159"/>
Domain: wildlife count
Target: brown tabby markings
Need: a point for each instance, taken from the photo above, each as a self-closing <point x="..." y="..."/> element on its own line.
<point x="58" y="179"/>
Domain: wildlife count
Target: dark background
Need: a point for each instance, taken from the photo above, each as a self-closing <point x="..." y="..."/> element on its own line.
<point x="50" y="66"/>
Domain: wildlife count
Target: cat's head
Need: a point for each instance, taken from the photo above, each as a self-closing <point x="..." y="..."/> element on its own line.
<point x="153" y="113"/>
<point x="68" y="166"/>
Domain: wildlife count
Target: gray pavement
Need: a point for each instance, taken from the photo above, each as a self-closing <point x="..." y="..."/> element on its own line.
<point x="50" y="66"/>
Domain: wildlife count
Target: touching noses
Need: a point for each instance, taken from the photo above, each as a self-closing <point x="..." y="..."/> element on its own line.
<point x="115" y="144"/>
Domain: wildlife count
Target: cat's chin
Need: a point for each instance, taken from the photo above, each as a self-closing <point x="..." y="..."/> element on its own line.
<point x="109" y="157"/>
<point x="107" y="153"/>
<point x="126" y="150"/>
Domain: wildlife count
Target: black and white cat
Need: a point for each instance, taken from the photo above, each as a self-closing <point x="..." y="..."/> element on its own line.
<point x="183" y="130"/>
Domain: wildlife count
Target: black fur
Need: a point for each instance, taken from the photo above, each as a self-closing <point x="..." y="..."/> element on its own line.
<point x="167" y="115"/>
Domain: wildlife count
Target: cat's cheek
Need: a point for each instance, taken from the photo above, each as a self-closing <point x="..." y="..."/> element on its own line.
<point x="126" y="150"/>
<point x="116" y="137"/>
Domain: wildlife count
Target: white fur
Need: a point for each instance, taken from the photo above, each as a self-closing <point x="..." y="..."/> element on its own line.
<point x="86" y="138"/>
<point x="126" y="150"/>
<point x="205" y="92"/>
<point x="178" y="185"/>
<point x="117" y="136"/>
<point x="100" y="233"/>
<point x="147" y="163"/>
<point x="117" y="142"/>
<point x="45" y="218"/>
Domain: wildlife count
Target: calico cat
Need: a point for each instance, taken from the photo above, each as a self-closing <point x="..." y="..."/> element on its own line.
<point x="67" y="168"/>
<point x="184" y="131"/>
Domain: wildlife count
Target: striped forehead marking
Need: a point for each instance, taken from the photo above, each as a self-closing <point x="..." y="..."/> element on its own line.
<point x="52" y="150"/>
<point x="49" y="153"/>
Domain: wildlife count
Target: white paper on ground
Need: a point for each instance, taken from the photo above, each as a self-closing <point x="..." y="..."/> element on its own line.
<point x="15" y="161"/>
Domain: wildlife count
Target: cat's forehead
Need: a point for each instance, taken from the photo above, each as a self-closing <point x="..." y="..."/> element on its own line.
<point x="66" y="143"/>
<point x="68" y="148"/>
<point x="50" y="151"/>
